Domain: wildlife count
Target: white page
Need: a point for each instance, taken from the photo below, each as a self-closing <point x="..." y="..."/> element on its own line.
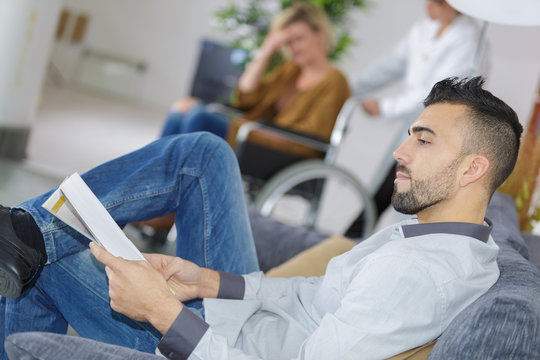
<point x="62" y="209"/>
<point x="87" y="213"/>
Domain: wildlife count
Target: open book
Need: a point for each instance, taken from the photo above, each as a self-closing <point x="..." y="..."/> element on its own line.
<point x="77" y="206"/>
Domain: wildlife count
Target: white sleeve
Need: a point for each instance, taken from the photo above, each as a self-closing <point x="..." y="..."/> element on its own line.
<point x="260" y="287"/>
<point x="373" y="320"/>
<point x="384" y="70"/>
<point x="458" y="61"/>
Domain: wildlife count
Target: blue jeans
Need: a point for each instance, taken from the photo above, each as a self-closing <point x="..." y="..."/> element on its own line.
<point x="197" y="119"/>
<point x="197" y="177"/>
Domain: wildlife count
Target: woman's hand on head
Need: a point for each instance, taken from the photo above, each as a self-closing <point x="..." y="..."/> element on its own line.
<point x="273" y="42"/>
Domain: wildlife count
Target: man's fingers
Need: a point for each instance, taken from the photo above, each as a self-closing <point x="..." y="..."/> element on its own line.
<point x="175" y="267"/>
<point x="108" y="271"/>
<point x="102" y="255"/>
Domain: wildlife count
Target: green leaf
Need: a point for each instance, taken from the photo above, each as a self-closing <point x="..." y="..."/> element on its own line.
<point x="230" y="18"/>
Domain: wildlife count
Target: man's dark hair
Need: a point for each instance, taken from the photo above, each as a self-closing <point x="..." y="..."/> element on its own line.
<point x="494" y="129"/>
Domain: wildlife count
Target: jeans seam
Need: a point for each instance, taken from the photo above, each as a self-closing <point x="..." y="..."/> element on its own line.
<point x="202" y="185"/>
<point x="204" y="194"/>
<point x="128" y="199"/>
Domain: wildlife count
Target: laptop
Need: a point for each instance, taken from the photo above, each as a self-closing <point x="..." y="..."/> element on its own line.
<point x="217" y="73"/>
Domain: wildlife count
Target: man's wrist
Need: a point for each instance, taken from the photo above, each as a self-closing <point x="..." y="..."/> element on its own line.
<point x="183" y="335"/>
<point x="166" y="314"/>
<point x="209" y="287"/>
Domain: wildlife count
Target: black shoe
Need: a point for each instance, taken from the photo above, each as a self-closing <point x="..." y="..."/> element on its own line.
<point x="20" y="265"/>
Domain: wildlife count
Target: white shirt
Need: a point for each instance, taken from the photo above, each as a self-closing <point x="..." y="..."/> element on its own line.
<point x="421" y="59"/>
<point x="397" y="290"/>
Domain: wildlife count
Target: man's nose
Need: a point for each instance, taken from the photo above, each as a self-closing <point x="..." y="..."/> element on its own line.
<point x="401" y="154"/>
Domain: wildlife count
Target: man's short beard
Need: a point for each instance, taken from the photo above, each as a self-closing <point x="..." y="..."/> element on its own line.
<point x="425" y="193"/>
<point x="413" y="201"/>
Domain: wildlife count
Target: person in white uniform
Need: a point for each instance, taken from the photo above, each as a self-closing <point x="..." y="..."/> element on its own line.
<point x="442" y="45"/>
<point x="397" y="290"/>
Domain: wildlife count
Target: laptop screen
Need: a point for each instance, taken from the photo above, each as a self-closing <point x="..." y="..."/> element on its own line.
<point x="217" y="72"/>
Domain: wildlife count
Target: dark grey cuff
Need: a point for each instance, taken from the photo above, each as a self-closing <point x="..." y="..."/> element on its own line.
<point x="183" y="335"/>
<point x="231" y="286"/>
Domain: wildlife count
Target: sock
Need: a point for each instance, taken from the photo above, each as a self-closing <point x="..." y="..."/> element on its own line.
<point x="27" y="230"/>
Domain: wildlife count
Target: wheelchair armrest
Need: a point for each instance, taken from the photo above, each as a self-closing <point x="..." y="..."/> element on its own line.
<point x="314" y="142"/>
<point x="229" y="111"/>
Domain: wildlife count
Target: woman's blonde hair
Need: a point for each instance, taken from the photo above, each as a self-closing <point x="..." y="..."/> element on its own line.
<point x="311" y="15"/>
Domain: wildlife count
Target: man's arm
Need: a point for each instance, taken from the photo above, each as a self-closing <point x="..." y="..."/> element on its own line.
<point x="376" y="309"/>
<point x="385" y="310"/>
<point x="383" y="71"/>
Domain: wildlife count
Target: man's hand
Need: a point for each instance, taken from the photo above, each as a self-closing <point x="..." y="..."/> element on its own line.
<point x="371" y="107"/>
<point x="138" y="291"/>
<point x="186" y="279"/>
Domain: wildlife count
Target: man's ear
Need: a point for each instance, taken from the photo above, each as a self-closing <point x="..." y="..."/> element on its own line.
<point x="477" y="167"/>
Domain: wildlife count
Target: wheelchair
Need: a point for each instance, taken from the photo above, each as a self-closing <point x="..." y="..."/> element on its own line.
<point x="290" y="188"/>
<point x="298" y="190"/>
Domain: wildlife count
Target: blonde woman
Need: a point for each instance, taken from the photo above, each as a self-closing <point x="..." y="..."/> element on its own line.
<point x="304" y="93"/>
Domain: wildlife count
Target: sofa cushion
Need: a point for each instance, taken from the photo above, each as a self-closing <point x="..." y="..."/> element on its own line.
<point x="502" y="212"/>
<point x="277" y="242"/>
<point x="533" y="244"/>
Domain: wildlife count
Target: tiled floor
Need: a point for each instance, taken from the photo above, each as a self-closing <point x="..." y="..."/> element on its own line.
<point x="75" y="129"/>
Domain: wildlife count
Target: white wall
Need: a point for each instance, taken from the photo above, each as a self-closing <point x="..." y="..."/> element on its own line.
<point x="166" y="33"/>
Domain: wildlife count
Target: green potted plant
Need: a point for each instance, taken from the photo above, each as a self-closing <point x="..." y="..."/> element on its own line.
<point x="248" y="23"/>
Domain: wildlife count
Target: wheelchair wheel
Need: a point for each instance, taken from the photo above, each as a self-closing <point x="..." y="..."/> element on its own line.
<point x="314" y="194"/>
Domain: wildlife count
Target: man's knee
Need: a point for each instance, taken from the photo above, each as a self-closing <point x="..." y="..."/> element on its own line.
<point x="216" y="144"/>
<point x="203" y="143"/>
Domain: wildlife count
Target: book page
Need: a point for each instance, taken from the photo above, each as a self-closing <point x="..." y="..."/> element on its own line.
<point x="58" y="205"/>
<point x="83" y="211"/>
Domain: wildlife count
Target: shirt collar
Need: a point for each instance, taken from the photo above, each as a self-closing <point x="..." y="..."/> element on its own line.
<point x="480" y="232"/>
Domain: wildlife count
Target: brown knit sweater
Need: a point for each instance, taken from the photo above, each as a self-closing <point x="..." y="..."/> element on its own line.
<point x="312" y="111"/>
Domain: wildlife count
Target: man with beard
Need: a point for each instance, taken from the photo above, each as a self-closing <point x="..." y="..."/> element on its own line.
<point x="396" y="290"/>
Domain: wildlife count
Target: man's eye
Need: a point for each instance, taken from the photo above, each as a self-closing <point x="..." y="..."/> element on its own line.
<point x="422" y="141"/>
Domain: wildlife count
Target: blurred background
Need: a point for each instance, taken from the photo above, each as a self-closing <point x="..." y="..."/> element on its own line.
<point x="82" y="81"/>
